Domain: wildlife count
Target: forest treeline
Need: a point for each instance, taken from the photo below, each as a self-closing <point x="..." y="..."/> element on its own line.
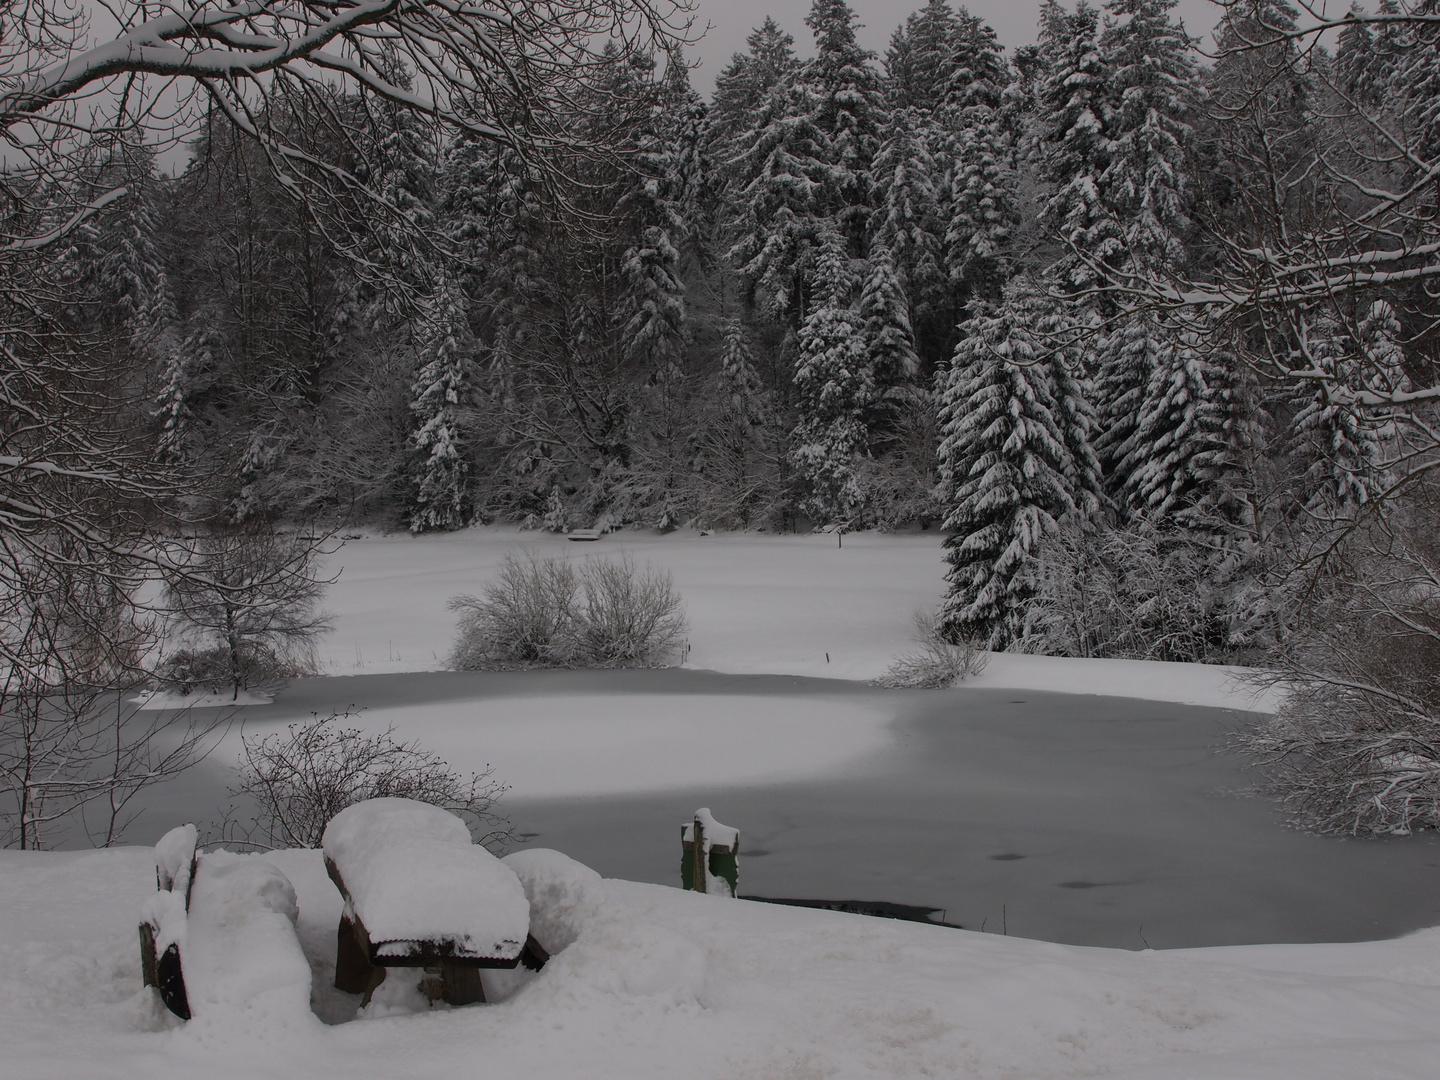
<point x="846" y="291"/>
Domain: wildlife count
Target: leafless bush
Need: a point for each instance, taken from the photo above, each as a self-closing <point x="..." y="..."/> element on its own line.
<point x="629" y="617"/>
<point x="302" y="778"/>
<point x="546" y="613"/>
<point x="1355" y="745"/>
<point x="936" y="664"/>
<point x="526" y="617"/>
<point x="1142" y="594"/>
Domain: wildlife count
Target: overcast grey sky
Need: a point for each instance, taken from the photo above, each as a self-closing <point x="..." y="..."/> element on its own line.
<point x="1014" y="21"/>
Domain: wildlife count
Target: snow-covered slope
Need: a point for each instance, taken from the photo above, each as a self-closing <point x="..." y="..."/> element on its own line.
<point x="660" y="983"/>
<point x="757" y="604"/>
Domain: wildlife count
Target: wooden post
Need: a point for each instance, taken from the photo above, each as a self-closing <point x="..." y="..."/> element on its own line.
<point x="698" y="861"/>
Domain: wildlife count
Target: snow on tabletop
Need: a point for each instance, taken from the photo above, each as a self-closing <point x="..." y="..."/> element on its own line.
<point x="242" y="954"/>
<point x="563" y="894"/>
<point x="413" y="875"/>
<point x="716" y="835"/>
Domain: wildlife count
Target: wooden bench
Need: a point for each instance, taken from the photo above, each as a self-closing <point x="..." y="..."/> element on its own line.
<point x="162" y="922"/>
<point x="219" y="933"/>
<point x="419" y="894"/>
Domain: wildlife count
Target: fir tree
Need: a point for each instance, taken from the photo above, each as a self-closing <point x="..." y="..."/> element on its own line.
<point x="920" y="63"/>
<point x="834" y="386"/>
<point x="984" y="205"/>
<point x="750" y="79"/>
<point x="442" y="496"/>
<point x="979" y="74"/>
<point x="1156" y="89"/>
<point x="1339" y="443"/>
<point x="909" y="221"/>
<point x="779" y="177"/>
<point x="1185" y="463"/>
<point x="1073" y="118"/>
<point x="848" y="110"/>
<point x="1005" y="472"/>
<point x="889" y="344"/>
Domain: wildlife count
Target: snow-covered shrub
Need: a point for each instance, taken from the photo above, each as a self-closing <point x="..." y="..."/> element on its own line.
<point x="629" y="617"/>
<point x="301" y="778"/>
<point x="525" y="618"/>
<point x="547" y="613"/>
<point x="220" y="668"/>
<point x="937" y="663"/>
<point x="1355" y="745"/>
<point x="1144" y="594"/>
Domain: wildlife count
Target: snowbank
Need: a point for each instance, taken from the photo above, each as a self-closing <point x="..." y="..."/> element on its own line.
<point x="659" y="983"/>
<point x="758" y="604"/>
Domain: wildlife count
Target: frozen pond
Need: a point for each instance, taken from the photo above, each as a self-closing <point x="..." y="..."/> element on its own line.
<point x="1079" y="819"/>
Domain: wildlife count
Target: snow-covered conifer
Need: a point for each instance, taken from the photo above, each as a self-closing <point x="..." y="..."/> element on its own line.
<point x="920" y="62"/>
<point x="1005" y="471"/>
<point x="909" y="221"/>
<point x="834" y="386"/>
<point x="848" y="109"/>
<point x="778" y="176"/>
<point x="1156" y="89"/>
<point x="443" y="483"/>
<point x="1334" y="438"/>
<point x="889" y="342"/>
<point x="984" y="206"/>
<point x="751" y="78"/>
<point x="1185" y="460"/>
<point x="1074" y="115"/>
<point x="979" y="75"/>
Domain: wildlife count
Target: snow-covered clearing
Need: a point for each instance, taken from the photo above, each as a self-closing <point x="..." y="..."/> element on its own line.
<point x="757" y="603"/>
<point x="660" y="983"/>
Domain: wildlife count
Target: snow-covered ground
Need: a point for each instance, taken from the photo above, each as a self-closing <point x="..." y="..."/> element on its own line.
<point x="661" y="983"/>
<point x="757" y="604"/>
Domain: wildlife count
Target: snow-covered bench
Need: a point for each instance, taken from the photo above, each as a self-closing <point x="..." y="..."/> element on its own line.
<point x="219" y="933"/>
<point x="419" y="894"/>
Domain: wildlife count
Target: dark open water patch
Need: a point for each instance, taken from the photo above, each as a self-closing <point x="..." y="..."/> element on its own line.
<point x="880" y="909"/>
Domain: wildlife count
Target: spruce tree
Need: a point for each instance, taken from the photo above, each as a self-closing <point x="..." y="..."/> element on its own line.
<point x="889" y="344"/>
<point x="920" y="63"/>
<point x="751" y="78"/>
<point x="1334" y="438"/>
<point x="848" y="109"/>
<point x="910" y="221"/>
<point x="1005" y="471"/>
<point x="442" y="493"/>
<point x="834" y="387"/>
<point x="1156" y="90"/>
<point x="984" y="207"/>
<point x="1074" y="115"/>
<point x="778" y="179"/>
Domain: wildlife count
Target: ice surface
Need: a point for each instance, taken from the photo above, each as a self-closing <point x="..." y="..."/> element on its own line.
<point x="242" y="955"/>
<point x="413" y="875"/>
<point x="562" y="894"/>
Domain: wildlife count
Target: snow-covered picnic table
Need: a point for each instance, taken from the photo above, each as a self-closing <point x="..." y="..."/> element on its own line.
<point x="419" y="894"/>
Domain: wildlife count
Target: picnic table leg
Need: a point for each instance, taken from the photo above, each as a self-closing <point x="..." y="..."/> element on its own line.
<point x="460" y="984"/>
<point x="354" y="974"/>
